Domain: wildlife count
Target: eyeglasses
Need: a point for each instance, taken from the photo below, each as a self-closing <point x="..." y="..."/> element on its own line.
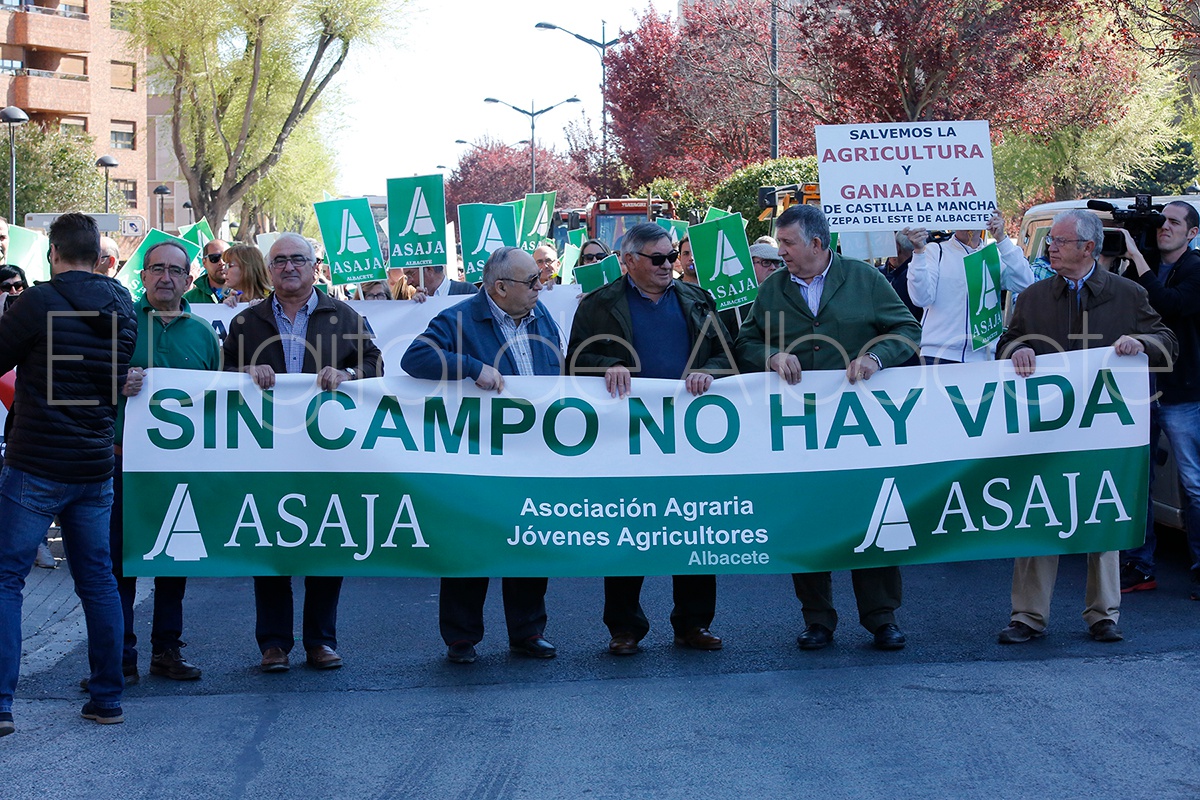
<point x="657" y="259"/>
<point x="591" y="258"/>
<point x="529" y="284"/>
<point x="213" y="257"/>
<point x="158" y="270"/>
<point x="1054" y="240"/>
<point x="377" y="296"/>
<point x="14" y="286"/>
<point x="546" y="262"/>
<point x="280" y="262"/>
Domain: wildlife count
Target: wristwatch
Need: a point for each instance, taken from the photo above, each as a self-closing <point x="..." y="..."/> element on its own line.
<point x="350" y="371"/>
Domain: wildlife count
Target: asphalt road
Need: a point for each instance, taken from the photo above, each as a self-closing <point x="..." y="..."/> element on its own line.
<point x="954" y="715"/>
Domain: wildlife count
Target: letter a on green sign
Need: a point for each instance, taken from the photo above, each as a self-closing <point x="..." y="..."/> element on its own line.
<point x="723" y="262"/>
<point x="351" y="244"/>
<point x="535" y="221"/>
<point x="983" y="295"/>
<point x="484" y="229"/>
<point x="417" y="221"/>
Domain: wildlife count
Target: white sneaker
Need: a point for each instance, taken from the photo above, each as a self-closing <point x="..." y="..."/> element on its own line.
<point x="44" y="558"/>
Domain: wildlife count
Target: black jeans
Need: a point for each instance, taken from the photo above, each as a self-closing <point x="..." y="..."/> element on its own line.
<point x="695" y="599"/>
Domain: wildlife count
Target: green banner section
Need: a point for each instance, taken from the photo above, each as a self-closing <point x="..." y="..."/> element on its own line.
<point x="592" y="276"/>
<point x="351" y="241"/>
<point x="28" y="250"/>
<point x="131" y="273"/>
<point x="577" y="237"/>
<point x="198" y="233"/>
<point x="723" y="264"/>
<point x="535" y="219"/>
<point x="983" y="296"/>
<point x="417" y="221"/>
<point x="407" y="524"/>
<point x="677" y="228"/>
<point x="566" y="264"/>
<point x="485" y="228"/>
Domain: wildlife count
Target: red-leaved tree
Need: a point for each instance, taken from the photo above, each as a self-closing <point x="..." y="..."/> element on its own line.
<point x="494" y="172"/>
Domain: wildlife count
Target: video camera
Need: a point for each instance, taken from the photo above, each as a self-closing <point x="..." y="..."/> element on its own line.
<point x="1142" y="220"/>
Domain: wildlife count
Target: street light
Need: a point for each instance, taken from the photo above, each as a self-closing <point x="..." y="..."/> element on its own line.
<point x="162" y="190"/>
<point x="601" y="48"/>
<point x="107" y="163"/>
<point x="191" y="216"/>
<point x="533" y="115"/>
<point x="12" y="117"/>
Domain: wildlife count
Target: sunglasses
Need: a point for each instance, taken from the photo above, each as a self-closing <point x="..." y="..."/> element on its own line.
<point x="15" y="286"/>
<point x="213" y="257"/>
<point x="657" y="259"/>
<point x="529" y="284"/>
<point x="592" y="258"/>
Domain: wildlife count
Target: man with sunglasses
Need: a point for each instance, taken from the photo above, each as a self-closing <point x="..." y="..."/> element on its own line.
<point x="818" y="314"/>
<point x="299" y="330"/>
<point x="210" y="287"/>
<point x="500" y="331"/>
<point x="650" y="325"/>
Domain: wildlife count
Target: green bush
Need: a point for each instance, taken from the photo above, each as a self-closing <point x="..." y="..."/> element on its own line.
<point x="689" y="199"/>
<point x="739" y="192"/>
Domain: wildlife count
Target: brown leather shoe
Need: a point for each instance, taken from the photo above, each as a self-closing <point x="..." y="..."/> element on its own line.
<point x="324" y="657"/>
<point x="274" y="660"/>
<point x="623" y="644"/>
<point x="699" y="639"/>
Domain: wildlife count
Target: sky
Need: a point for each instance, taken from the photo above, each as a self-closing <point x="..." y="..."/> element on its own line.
<point x="404" y="102"/>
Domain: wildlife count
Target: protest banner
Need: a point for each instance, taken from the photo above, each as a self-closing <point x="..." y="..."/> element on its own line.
<point x="198" y="233"/>
<point x="263" y="242"/>
<point x="555" y="477"/>
<point x="591" y="277"/>
<point x="566" y="264"/>
<point x="131" y="274"/>
<point x="985" y="316"/>
<point x="677" y="228"/>
<point x="723" y="264"/>
<point x="893" y="175"/>
<point x="536" y="213"/>
<point x="417" y="221"/>
<point x="351" y="241"/>
<point x="27" y="249"/>
<point x="485" y="229"/>
<point x="577" y="237"/>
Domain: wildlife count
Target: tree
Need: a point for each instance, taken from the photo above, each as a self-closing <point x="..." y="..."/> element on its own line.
<point x="242" y="76"/>
<point x="687" y="199"/>
<point x="739" y="192"/>
<point x="494" y="172"/>
<point x="56" y="171"/>
<point x="284" y="199"/>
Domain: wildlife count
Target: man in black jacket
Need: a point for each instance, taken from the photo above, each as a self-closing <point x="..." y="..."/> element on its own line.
<point x="72" y="339"/>
<point x="299" y="330"/>
<point x="1174" y="290"/>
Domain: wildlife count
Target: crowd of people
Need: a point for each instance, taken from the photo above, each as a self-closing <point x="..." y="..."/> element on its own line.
<point x="64" y="460"/>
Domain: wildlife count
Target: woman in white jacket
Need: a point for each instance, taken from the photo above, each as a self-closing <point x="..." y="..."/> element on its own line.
<point x="937" y="281"/>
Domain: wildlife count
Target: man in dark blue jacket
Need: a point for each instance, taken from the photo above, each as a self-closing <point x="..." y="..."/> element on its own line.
<point x="500" y="331"/>
<point x="1174" y="289"/>
<point x="72" y="339"/>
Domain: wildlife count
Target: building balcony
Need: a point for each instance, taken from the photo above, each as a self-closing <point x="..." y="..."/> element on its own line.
<point x="50" y="29"/>
<point x="51" y="92"/>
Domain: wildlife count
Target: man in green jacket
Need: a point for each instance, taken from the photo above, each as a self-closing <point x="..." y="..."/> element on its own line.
<point x="826" y="312"/>
<point x="210" y="287"/>
<point x="647" y="324"/>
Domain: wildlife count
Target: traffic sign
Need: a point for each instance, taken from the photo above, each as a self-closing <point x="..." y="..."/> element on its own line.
<point x="108" y="223"/>
<point x="133" y="226"/>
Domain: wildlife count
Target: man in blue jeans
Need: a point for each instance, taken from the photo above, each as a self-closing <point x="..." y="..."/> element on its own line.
<point x="1174" y="289"/>
<point x="72" y="339"/>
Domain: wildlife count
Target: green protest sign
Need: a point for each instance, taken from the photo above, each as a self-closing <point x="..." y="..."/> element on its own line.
<point x="983" y="464"/>
<point x="577" y="237"/>
<point x="327" y="196"/>
<point x="131" y="274"/>
<point x="983" y="296"/>
<point x="416" y="221"/>
<point x="485" y="229"/>
<point x="199" y="233"/>
<point x="592" y="276"/>
<point x="677" y="228"/>
<point x="27" y="249"/>
<point x="567" y="262"/>
<point x="351" y="244"/>
<point x="719" y="213"/>
<point x="535" y="219"/>
<point x="723" y="264"/>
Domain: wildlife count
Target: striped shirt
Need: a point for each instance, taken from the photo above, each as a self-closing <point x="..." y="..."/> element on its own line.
<point x="292" y="335"/>
<point x="516" y="336"/>
<point x="813" y="289"/>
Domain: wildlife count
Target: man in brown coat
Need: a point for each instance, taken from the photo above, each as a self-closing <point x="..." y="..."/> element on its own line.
<point x="299" y="330"/>
<point x="1081" y="307"/>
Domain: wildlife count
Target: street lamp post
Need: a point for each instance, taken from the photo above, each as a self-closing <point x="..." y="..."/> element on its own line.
<point x="533" y="115"/>
<point x="601" y="48"/>
<point x="12" y="117"/>
<point x="162" y="190"/>
<point x="107" y="163"/>
<point x="191" y="215"/>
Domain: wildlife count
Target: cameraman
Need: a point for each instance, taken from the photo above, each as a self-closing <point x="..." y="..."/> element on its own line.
<point x="1174" y="290"/>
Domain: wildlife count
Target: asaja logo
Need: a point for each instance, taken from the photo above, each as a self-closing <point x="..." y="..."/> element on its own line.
<point x="419" y="220"/>
<point x="728" y="262"/>
<point x="541" y="224"/>
<point x="489" y="238"/>
<point x="889" y="529"/>
<point x="179" y="535"/>
<point x="353" y="240"/>
<point x="989" y="297"/>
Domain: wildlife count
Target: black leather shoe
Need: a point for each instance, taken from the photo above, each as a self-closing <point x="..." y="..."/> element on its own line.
<point x="623" y="644"/>
<point x="699" y="639"/>
<point x="889" y="637"/>
<point x="815" y="637"/>
<point x="462" y="652"/>
<point x="534" y="647"/>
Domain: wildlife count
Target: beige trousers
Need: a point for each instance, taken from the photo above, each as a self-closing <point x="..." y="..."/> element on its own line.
<point x="1033" y="586"/>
